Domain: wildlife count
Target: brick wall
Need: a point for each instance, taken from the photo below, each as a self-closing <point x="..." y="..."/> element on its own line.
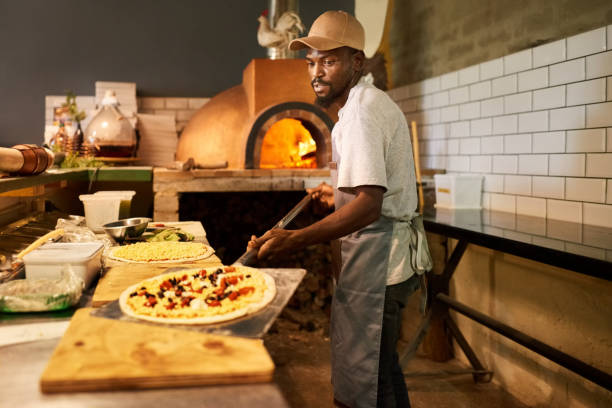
<point x="431" y="38"/>
<point x="537" y="124"/>
<point x="181" y="108"/>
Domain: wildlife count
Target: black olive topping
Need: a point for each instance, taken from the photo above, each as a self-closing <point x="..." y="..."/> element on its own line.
<point x="248" y="276"/>
<point x="160" y="294"/>
<point x="143" y="288"/>
<point x="133" y="294"/>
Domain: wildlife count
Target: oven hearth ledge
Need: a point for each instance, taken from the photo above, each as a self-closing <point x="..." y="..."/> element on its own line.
<point x="169" y="184"/>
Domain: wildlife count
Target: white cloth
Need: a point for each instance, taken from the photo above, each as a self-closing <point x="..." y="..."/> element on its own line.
<point x="371" y="146"/>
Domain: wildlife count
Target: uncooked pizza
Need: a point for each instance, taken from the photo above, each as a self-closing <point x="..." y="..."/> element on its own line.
<point x="199" y="296"/>
<point x="161" y="252"/>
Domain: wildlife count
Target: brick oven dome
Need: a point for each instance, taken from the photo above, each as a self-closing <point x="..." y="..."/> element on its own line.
<point x="227" y="128"/>
<point x="211" y="136"/>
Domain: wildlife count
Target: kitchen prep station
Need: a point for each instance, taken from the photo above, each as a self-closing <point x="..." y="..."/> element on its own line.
<point x="69" y="349"/>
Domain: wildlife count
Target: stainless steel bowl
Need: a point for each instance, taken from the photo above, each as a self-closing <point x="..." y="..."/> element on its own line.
<point x="126" y="228"/>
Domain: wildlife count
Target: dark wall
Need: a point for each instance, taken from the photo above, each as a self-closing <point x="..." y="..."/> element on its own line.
<point x="431" y="38"/>
<point x="191" y="48"/>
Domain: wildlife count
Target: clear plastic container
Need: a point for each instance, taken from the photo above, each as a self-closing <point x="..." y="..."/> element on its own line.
<point x="126" y="201"/>
<point x="458" y="191"/>
<point x="47" y="261"/>
<point x="100" y="209"/>
<point x="41" y="295"/>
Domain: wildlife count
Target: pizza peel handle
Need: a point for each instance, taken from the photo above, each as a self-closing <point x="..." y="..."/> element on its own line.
<point x="250" y="256"/>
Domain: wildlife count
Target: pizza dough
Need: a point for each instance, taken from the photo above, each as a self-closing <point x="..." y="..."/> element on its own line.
<point x="199" y="295"/>
<point x="161" y="252"/>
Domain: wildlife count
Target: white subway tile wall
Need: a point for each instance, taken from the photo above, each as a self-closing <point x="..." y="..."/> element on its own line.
<point x="587" y="43"/>
<point x="549" y="98"/>
<point x="549" y="142"/>
<point x="585" y="189"/>
<point x="599" y="65"/>
<point x="548" y="54"/>
<point x="534" y="79"/>
<point x="586" y="140"/>
<point x="570" y="211"/>
<point x="566" y="72"/>
<point x="531" y="206"/>
<point x="537" y="124"/>
<point x="536" y="164"/>
<point x="549" y="187"/>
<point x="492" y="107"/>
<point x="459" y="95"/>
<point x="492" y="69"/>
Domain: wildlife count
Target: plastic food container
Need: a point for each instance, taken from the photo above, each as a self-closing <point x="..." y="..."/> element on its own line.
<point x="47" y="261"/>
<point x="458" y="191"/>
<point x="100" y="209"/>
<point x="126" y="201"/>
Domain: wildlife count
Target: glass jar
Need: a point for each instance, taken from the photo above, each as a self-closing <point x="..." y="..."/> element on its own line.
<point x="110" y="134"/>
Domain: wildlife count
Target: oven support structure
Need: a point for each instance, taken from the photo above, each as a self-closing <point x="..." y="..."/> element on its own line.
<point x="168" y="185"/>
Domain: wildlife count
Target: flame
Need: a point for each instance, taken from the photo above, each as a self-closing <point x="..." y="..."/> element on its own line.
<point x="288" y="144"/>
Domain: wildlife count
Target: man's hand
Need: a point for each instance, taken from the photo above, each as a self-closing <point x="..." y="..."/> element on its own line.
<point x="364" y="209"/>
<point x="275" y="242"/>
<point x="323" y="198"/>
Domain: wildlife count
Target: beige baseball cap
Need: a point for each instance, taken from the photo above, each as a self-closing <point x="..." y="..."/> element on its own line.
<point x="332" y="29"/>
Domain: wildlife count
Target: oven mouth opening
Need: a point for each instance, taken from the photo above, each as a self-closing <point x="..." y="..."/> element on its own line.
<point x="291" y="135"/>
<point x="288" y="144"/>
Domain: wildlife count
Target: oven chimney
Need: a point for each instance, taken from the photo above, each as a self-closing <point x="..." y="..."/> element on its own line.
<point x="276" y="9"/>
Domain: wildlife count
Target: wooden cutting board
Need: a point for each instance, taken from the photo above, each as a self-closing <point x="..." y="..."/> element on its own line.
<point x="103" y="354"/>
<point x="120" y="275"/>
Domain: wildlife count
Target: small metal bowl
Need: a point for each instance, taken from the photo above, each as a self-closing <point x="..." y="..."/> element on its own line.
<point x="126" y="228"/>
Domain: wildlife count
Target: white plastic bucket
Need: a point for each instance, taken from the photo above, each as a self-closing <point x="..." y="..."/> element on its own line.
<point x="458" y="191"/>
<point x="126" y="200"/>
<point x="100" y="209"/>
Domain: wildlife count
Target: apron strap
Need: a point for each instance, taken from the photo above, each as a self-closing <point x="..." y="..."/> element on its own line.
<point x="420" y="257"/>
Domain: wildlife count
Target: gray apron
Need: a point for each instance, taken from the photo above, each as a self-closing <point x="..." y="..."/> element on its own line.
<point x="357" y="310"/>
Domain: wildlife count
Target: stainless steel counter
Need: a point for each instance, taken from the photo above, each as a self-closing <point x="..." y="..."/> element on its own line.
<point x="22" y="364"/>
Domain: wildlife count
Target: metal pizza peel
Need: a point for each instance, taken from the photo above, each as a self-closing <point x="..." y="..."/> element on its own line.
<point x="252" y="326"/>
<point x="250" y="256"/>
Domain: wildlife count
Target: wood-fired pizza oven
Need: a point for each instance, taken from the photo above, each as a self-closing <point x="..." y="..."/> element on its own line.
<point x="237" y="126"/>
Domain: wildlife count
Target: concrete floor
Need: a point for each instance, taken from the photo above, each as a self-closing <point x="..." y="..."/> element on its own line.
<point x="303" y="372"/>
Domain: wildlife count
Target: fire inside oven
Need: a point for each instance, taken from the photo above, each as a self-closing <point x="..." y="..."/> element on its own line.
<point x="288" y="144"/>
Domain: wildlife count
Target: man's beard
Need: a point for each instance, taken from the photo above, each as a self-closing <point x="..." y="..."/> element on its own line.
<point x="326" y="101"/>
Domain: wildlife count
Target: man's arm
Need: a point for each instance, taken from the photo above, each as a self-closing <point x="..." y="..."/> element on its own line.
<point x="364" y="209"/>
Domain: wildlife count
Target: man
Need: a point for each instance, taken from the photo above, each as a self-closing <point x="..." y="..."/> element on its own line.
<point x="375" y="198"/>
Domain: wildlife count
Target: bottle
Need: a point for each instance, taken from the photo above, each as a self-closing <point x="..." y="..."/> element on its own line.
<point x="110" y="134"/>
<point x="58" y="141"/>
<point x="73" y="144"/>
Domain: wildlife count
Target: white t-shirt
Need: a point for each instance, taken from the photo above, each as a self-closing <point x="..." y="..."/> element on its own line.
<point x="371" y="146"/>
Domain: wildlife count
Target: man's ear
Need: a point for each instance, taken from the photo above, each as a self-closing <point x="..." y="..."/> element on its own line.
<point x="358" y="59"/>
